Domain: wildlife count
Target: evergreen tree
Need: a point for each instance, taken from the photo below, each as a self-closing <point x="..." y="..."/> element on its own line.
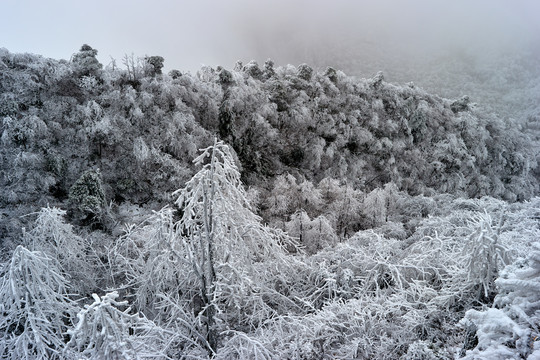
<point x="87" y="198"/>
<point x="85" y="62"/>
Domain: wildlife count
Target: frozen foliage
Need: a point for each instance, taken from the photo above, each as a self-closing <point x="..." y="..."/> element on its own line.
<point x="486" y="255"/>
<point x="210" y="260"/>
<point x="419" y="350"/>
<point x="104" y="331"/>
<point x="87" y="197"/>
<point x="56" y="238"/>
<point x="224" y="240"/>
<point x="314" y="234"/>
<point x="520" y="287"/>
<point x="511" y="329"/>
<point x="499" y="337"/>
<point x="147" y="258"/>
<point x="241" y="346"/>
<point x="35" y="307"/>
<point x="215" y="207"/>
<point x="391" y="215"/>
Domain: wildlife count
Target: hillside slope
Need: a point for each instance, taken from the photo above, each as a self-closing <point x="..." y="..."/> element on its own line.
<point x="258" y="212"/>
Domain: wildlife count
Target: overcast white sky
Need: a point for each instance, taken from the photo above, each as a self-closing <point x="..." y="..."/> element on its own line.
<point x="219" y="32"/>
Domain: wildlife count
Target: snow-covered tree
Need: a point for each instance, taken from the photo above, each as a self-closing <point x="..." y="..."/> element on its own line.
<point x="220" y="229"/>
<point x="312" y="234"/>
<point x="87" y="197"/>
<point x="34" y="306"/>
<point x="150" y="258"/>
<point x="343" y="206"/>
<point x="211" y="263"/>
<point x="85" y="62"/>
<point x="154" y="64"/>
<point x="379" y="203"/>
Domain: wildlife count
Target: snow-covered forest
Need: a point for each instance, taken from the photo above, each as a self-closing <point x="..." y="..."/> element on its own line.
<point x="266" y="212"/>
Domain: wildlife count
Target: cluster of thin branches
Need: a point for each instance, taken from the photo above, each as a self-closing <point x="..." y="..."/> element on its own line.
<point x="208" y="280"/>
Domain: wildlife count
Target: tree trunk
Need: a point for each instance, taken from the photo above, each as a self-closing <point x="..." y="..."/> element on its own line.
<point x="209" y="271"/>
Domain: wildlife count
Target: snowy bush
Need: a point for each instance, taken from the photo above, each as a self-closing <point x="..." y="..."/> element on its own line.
<point x="419" y="350"/>
<point x="485" y="256"/>
<point x="510" y="329"/>
<point x="35" y="307"/>
<point x="52" y="235"/>
<point x="519" y="291"/>
<point x="499" y="337"/>
<point x="103" y="331"/>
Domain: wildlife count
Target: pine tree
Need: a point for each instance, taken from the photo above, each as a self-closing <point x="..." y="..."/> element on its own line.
<point x="87" y="197"/>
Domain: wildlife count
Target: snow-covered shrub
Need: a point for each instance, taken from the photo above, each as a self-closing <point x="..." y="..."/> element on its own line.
<point x="35" y="307"/>
<point x="144" y="257"/>
<point x="510" y="328"/>
<point x="103" y="331"/>
<point x="184" y="325"/>
<point x="419" y="350"/>
<point x="521" y="229"/>
<point x="239" y="346"/>
<point x="499" y="337"/>
<point x="519" y="291"/>
<point x="485" y="256"/>
<point x="363" y="328"/>
<point x="52" y="235"/>
<point x="392" y="230"/>
<point x="465" y="250"/>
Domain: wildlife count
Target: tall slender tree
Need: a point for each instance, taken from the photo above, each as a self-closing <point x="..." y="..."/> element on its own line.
<point x="220" y="228"/>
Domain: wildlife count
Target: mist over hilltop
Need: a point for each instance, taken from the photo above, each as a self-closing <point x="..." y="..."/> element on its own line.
<point x="219" y="33"/>
<point x="449" y="48"/>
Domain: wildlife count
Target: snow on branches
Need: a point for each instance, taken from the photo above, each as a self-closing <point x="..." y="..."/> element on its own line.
<point x="35" y="307"/>
<point x="103" y="331"/>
